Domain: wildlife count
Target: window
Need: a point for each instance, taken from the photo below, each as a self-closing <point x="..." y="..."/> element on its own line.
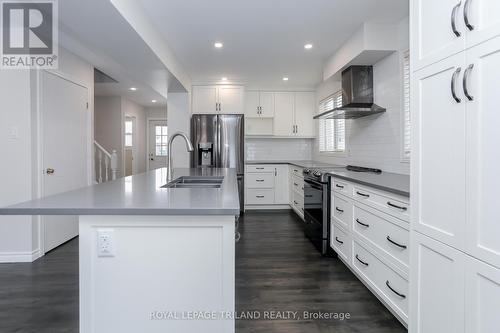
<point x="129" y="127"/>
<point x="331" y="131"/>
<point x="161" y="140"/>
<point x="406" y="107"/>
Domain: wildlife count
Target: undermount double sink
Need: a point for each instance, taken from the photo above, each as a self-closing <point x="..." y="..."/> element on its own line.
<point x="195" y="182"/>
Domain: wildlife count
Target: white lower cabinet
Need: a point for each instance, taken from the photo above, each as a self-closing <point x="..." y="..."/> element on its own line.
<point x="452" y="291"/>
<point x="266" y="185"/>
<point x="437" y="287"/>
<point x="373" y="240"/>
<point x="257" y="196"/>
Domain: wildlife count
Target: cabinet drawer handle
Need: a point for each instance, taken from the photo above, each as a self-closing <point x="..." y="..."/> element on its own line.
<point x="295" y="202"/>
<point x="466" y="15"/>
<point x="361" y="261"/>
<point x="259" y="180"/>
<point x="394" y="291"/>
<point x="339" y="186"/>
<point x="362" y="194"/>
<point x="363" y="224"/>
<point x="308" y="196"/>
<point x="339" y="210"/>
<point x="259" y="168"/>
<point x="396" y="206"/>
<point x="259" y="196"/>
<point x="393" y="242"/>
<point x="295" y="184"/>
<point x="338" y="240"/>
<point x="295" y="170"/>
<point x="466" y="80"/>
<point x="454" y="18"/>
<point x="453" y="80"/>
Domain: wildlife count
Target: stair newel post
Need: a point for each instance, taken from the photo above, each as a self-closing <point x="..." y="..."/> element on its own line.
<point x="99" y="158"/>
<point x="106" y="167"/>
<point x="114" y="164"/>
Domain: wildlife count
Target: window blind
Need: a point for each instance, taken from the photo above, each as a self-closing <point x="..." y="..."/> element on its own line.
<point x="406" y="106"/>
<point x="331" y="131"/>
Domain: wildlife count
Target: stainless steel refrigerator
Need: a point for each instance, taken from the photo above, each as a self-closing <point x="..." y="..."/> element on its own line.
<point x="219" y="142"/>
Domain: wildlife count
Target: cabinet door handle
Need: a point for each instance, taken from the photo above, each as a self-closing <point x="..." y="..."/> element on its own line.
<point x="453" y="81"/>
<point x="363" y="224"/>
<point x="339" y="186"/>
<point x="394" y="291"/>
<point x="466" y="15"/>
<point x="259" y="196"/>
<point x="338" y="240"/>
<point x="396" y="206"/>
<point x="466" y="80"/>
<point x="295" y="202"/>
<point x="393" y="242"/>
<point x="361" y="261"/>
<point x="339" y="210"/>
<point x="295" y="184"/>
<point x="362" y="194"/>
<point x="454" y="18"/>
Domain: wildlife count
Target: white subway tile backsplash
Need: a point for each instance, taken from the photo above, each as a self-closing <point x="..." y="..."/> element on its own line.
<point x="278" y="149"/>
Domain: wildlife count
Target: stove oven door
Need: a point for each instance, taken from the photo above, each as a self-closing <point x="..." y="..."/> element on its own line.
<point x="315" y="214"/>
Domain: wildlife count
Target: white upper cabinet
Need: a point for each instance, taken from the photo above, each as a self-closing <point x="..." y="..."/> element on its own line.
<point x="483" y="151"/>
<point x="284" y="122"/>
<point x="218" y="99"/>
<point x="482" y="20"/>
<point x="259" y="104"/>
<point x="438" y="138"/>
<point x="304" y="113"/>
<point x="231" y="99"/>
<point x="442" y="28"/>
<point x="437" y="31"/>
<point x="205" y="99"/>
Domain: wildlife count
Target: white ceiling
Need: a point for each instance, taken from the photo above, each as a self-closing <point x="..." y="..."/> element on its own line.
<point x="263" y="39"/>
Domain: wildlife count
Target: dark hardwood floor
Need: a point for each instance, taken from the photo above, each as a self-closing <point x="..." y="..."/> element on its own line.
<point x="277" y="269"/>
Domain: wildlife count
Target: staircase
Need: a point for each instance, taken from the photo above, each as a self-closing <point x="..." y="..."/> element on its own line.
<point x="106" y="164"/>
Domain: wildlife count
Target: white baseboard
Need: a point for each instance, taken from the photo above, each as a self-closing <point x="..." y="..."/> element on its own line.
<point x="13" y="257"/>
<point x="263" y="207"/>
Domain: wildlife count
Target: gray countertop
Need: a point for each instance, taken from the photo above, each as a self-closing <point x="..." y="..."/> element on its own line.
<point x="140" y="195"/>
<point x="386" y="181"/>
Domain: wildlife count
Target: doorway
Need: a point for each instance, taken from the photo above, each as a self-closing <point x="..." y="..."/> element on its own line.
<point x="129" y="156"/>
<point x="157" y="143"/>
<point x="64" y="134"/>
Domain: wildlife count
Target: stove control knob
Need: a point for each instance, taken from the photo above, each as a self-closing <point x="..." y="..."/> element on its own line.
<point x="307" y="171"/>
<point x="317" y="173"/>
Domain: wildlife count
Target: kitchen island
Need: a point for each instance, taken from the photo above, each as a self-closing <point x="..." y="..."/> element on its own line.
<point x="152" y="259"/>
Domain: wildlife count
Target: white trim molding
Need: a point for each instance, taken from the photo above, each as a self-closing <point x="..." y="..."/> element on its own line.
<point x="14" y="257"/>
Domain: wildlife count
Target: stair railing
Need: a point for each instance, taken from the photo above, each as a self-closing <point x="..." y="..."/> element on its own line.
<point x="106" y="163"/>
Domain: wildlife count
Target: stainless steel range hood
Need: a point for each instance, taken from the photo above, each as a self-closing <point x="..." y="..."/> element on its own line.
<point x="357" y="95"/>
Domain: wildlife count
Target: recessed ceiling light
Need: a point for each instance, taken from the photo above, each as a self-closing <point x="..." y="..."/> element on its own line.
<point x="308" y="46"/>
<point x="133" y="88"/>
<point x="224" y="79"/>
<point x="285" y="79"/>
<point x="153" y="101"/>
<point x="218" y="45"/>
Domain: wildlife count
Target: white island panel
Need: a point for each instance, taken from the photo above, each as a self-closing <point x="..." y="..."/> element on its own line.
<point x="164" y="270"/>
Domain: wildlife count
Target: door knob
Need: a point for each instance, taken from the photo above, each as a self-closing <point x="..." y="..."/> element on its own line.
<point x="50" y="171"/>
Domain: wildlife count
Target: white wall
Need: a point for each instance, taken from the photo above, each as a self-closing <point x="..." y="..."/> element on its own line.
<point x="20" y="235"/>
<point x="108" y="126"/>
<point x="179" y="119"/>
<point x="278" y="149"/>
<point x="375" y="141"/>
<point x="156" y="112"/>
<point x="132" y="109"/>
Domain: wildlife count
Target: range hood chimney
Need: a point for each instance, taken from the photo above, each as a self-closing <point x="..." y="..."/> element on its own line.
<point x="357" y="95"/>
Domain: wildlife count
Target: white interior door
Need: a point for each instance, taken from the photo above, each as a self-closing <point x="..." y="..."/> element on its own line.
<point x="64" y="130"/>
<point x="158" y="139"/>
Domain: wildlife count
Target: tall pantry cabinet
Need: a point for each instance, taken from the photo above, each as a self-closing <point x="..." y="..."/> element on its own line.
<point x="455" y="224"/>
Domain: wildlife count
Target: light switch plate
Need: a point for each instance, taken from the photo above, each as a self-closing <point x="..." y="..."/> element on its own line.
<point x="105" y="243"/>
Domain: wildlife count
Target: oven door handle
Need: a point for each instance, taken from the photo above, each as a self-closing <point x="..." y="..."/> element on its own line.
<point x="314" y="185"/>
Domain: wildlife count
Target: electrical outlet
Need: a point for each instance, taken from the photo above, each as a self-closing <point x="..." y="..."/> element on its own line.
<point x="105" y="243"/>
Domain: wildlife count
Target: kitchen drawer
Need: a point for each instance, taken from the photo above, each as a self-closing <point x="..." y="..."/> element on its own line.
<point x="341" y="211"/>
<point x="256" y="196"/>
<point x="341" y="187"/>
<point x="340" y="241"/>
<point x="259" y="180"/>
<point x="259" y="168"/>
<point x="386" y="233"/>
<point x="389" y="285"/>
<point x="298" y="184"/>
<point x="298" y="202"/>
<point x="391" y="204"/>
<point x="296" y="171"/>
